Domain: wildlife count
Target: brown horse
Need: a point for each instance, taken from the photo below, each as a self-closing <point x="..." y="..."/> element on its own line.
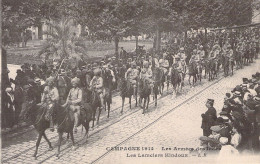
<point x="92" y="97"/>
<point x="159" y="79"/>
<point x="126" y="90"/>
<point x="175" y="80"/>
<point x="144" y="91"/>
<point x="35" y="113"/>
<point x="192" y="68"/>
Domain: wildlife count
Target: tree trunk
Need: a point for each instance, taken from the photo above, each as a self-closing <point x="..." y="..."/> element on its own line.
<point x="136" y="43"/>
<point x="206" y="35"/>
<point x="23" y="39"/>
<point x="158" y="39"/>
<point x="116" y="45"/>
<point x="185" y="37"/>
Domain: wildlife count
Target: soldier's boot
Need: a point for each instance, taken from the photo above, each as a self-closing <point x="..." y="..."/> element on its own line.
<point x="51" y="124"/>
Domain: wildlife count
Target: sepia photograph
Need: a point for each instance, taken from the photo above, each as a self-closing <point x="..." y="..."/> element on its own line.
<point x="130" y="81"/>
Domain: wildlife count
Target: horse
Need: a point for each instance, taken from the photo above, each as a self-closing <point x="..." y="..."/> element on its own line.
<point x="192" y="68"/>
<point x="211" y="68"/>
<point x="144" y="91"/>
<point x="92" y="97"/>
<point x="176" y="80"/>
<point x="64" y="119"/>
<point x="159" y="78"/>
<point x="239" y="60"/>
<point x="199" y="71"/>
<point x="126" y="90"/>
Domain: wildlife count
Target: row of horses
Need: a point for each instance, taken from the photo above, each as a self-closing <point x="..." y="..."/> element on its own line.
<point x="91" y="102"/>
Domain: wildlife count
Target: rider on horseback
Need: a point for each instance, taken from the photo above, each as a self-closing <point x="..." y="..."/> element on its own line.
<point x="74" y="100"/>
<point x="97" y="85"/>
<point x="164" y="65"/>
<point x="182" y="54"/>
<point x="132" y="75"/>
<point x="49" y="100"/>
<point x="179" y="66"/>
<point x="147" y="74"/>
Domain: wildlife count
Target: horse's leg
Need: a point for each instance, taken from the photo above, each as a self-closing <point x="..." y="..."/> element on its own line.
<point x="99" y="112"/>
<point x="72" y="139"/>
<point x="47" y="140"/>
<point x="144" y="105"/>
<point x="87" y="127"/>
<point x="37" y="144"/>
<point x="148" y="100"/>
<point x="130" y="98"/>
<point x="68" y="136"/>
<point x="59" y="144"/>
<point x="155" y="99"/>
<point x="108" y="109"/>
<point x="189" y="80"/>
<point x="123" y="102"/>
<point x="94" y="115"/>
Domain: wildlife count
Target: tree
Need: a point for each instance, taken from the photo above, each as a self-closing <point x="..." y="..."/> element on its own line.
<point x="63" y="43"/>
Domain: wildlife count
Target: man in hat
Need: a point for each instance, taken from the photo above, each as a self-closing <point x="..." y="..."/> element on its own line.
<point x="74" y="100"/>
<point x="180" y="67"/>
<point x="182" y="54"/>
<point x="81" y="62"/>
<point x="122" y="54"/>
<point x="49" y="99"/>
<point x="132" y="75"/>
<point x="38" y="89"/>
<point x="164" y="64"/>
<point x="208" y="118"/>
<point x="62" y="86"/>
<point x="96" y="84"/>
<point x="200" y="53"/>
<point x="147" y="74"/>
<point x="19" y="79"/>
<point x="8" y="110"/>
<point x="109" y="78"/>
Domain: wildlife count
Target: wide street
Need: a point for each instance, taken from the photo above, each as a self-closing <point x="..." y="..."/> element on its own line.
<point x="174" y="123"/>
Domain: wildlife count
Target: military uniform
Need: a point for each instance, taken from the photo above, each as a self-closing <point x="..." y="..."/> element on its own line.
<point x="208" y="118"/>
<point x="49" y="100"/>
<point x="97" y="84"/>
<point x="74" y="100"/>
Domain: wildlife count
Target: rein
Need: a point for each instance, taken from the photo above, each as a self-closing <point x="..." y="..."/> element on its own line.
<point x="40" y="117"/>
<point x="63" y="119"/>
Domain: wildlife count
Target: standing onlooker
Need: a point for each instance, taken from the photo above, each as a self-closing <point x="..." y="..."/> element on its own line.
<point x="8" y="108"/>
<point x="208" y="118"/>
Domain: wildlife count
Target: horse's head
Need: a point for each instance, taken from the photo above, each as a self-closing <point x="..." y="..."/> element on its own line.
<point x="27" y="107"/>
<point x="27" y="104"/>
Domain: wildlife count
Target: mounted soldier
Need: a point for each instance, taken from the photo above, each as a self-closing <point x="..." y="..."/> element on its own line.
<point x="164" y="65"/>
<point x="62" y="86"/>
<point x="182" y="54"/>
<point x="131" y="75"/>
<point x="179" y="66"/>
<point x="74" y="100"/>
<point x="147" y="74"/>
<point x="49" y="100"/>
<point x="96" y="84"/>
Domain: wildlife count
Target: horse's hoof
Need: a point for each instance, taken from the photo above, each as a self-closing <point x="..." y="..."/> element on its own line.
<point x="57" y="155"/>
<point x="74" y="148"/>
<point x="50" y="149"/>
<point x="35" y="158"/>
